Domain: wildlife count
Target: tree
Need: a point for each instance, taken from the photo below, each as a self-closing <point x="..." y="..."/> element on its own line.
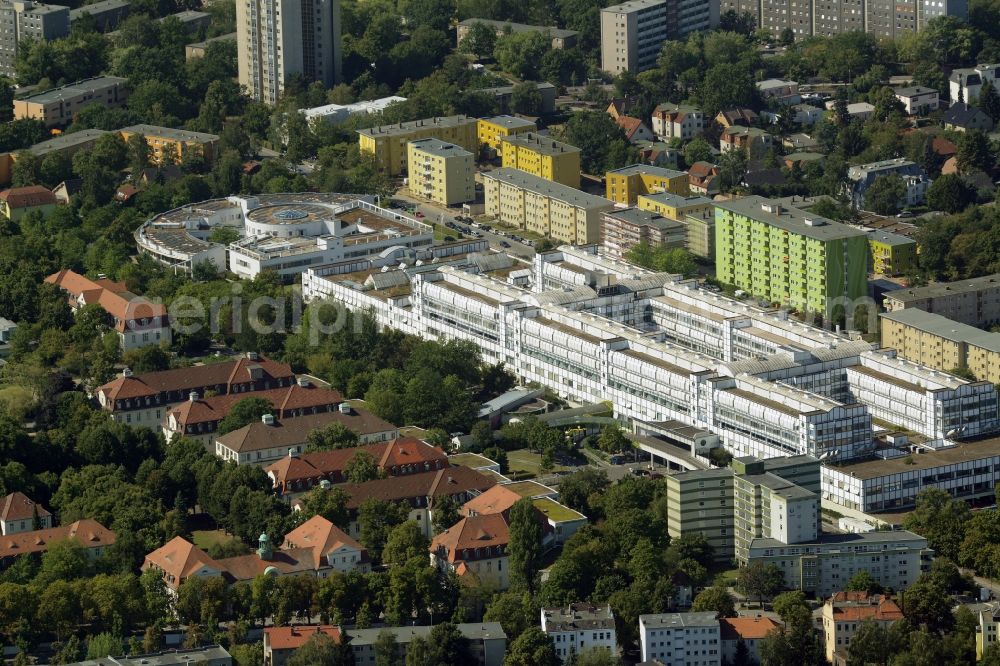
<point x="321" y="650"/>
<point x="989" y="100"/>
<point x="715" y="598"/>
<point x="940" y="519"/>
<point x="448" y="646"/>
<point x="927" y="604"/>
<point x="334" y="436"/>
<point x="520" y="53"/>
<point x="386" y="649"/>
<point x="796" y="643"/>
<point x="602" y="142"/>
<point x="482" y="435"/>
<point x="446" y="512"/>
<point x="480" y="40"/>
<point x="697" y="150"/>
<point x="532" y="648"/>
<point x="974" y="152"/>
<point x="146" y="359"/>
<point x="405" y="542"/>
<point x="885" y="195"/>
<point x="526" y="99"/>
<point x="950" y="193"/>
<point x="104" y="645"/>
<point x="525" y="547"/>
<point x="863" y="581"/>
<point x="872" y="643"/>
<point x="613" y="440"/>
<point x="760" y="580"/>
<point x="245" y="412"/>
<point x="138" y="154"/>
<point x="362" y="467"/>
<point x="376" y="520"/>
<point x="576" y="489"/>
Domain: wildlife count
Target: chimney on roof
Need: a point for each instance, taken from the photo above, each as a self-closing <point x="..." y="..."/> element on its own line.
<point x="193" y="396"/>
<point x="303" y="382"/>
<point x="344" y="408"/>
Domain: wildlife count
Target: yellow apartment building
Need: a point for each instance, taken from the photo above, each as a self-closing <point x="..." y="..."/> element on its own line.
<point x="175" y="146"/>
<point x="892" y="254"/>
<point x="440" y="171"/>
<point x="942" y="344"/>
<point x="519" y="199"/>
<point x="674" y="206"/>
<point x="542" y="156"/>
<point x="494" y="130"/>
<point x="387" y="143"/>
<point x="626" y="184"/>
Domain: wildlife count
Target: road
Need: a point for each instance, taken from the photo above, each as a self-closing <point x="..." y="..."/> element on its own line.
<point x="440" y="215"/>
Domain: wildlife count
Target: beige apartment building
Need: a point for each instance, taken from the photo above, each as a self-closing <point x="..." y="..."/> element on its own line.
<point x="696" y="213"/>
<point x="539" y="205"/>
<point x="388" y="143"/>
<point x="441" y="171"/>
<point x="942" y="344"/>
<point x="632" y="34"/>
<point x="58" y="106"/>
<point x="975" y="302"/>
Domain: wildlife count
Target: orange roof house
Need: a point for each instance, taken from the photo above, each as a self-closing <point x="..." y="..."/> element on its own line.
<point x="89" y="534"/>
<point x="498" y="499"/>
<point x="18" y="513"/>
<point x="17" y="202"/>
<point x="328" y="542"/>
<point x="635" y="130"/>
<point x="475" y="547"/>
<point x="844" y="612"/>
<point x="281" y="642"/>
<point x="750" y="630"/>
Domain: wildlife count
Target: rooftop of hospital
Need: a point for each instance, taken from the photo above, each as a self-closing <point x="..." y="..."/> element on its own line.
<point x="925" y="459"/>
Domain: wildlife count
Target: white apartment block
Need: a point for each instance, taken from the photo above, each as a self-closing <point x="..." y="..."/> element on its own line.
<point x="894" y="559"/>
<point x="336" y="114"/>
<point x="659" y="348"/>
<point x="681" y="639"/>
<point x="580" y="627"/>
<point x="278" y="38"/>
<point x="672" y="121"/>
<point x="964" y="85"/>
<point x="632" y="34"/>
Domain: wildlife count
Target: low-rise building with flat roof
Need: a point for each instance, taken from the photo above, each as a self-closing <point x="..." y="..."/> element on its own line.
<point x="519" y="199"/>
<point x="681" y="639"/>
<point x="209" y="655"/>
<point x="579" y="628"/>
<point x="174" y="146"/>
<point x="198" y="49"/>
<point x="335" y="114"/>
<point x="58" y="106"/>
<point x="975" y="301"/>
<point x="492" y="131"/>
<point x="487" y="642"/>
<point x="621" y="230"/>
<point x="504" y="94"/>
<point x="107" y="14"/>
<point x="387" y="143"/>
<point x="941" y="343"/>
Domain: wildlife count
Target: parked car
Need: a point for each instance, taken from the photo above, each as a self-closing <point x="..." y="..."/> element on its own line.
<point x="419" y="214"/>
<point x="504" y="244"/>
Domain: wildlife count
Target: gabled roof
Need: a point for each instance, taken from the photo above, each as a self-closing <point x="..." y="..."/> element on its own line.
<point x="88" y="533"/>
<point x="285" y="432"/>
<point x="25" y="197"/>
<point x="630" y="125"/>
<point x="470" y="533"/>
<point x="180" y="558"/>
<point x="215" y="408"/>
<point x="113" y="297"/>
<point x="702" y="170"/>
<point x="292" y="638"/>
<point x="747" y="628"/>
<point x="18" y="506"/>
<point x="195" y="377"/>
<point x="323" y="537"/>
<point x="963" y="115"/>
<point x="497" y="499"/>
<point x="859" y="606"/>
<point x="438" y="483"/>
<point x="289" y="561"/>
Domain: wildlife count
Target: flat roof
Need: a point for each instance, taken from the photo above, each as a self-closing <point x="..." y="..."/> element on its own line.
<point x="545" y="145"/>
<point x="96" y="8"/>
<point x="677" y="200"/>
<point x="633" y="5"/>
<point x="521" y="27"/>
<point x="64" y="141"/>
<point x="634" y="169"/>
<point x="440" y="148"/>
<point x="936" y="324"/>
<point x="971" y="285"/>
<point x="913" y="90"/>
<point x="558" y="191"/>
<point x="667" y="620"/>
<point x="645" y="218"/>
<point x="829" y="539"/>
<point x="509" y="122"/>
<point x="405" y="128"/>
<point x="964" y="452"/>
<point x="529" y="489"/>
<point x="889" y="238"/>
<point x="556" y="511"/>
<point x="170" y="133"/>
<point x="792" y="220"/>
<point x="228" y="37"/>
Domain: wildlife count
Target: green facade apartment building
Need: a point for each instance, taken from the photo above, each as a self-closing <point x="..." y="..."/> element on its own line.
<point x="789" y="256"/>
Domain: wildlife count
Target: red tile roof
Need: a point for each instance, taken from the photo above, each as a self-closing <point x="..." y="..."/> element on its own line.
<point x="285" y="400"/>
<point x="323" y="537"/>
<point x="290" y="561"/>
<point x="442" y="483"/>
<point x="629" y="124"/>
<point x="24" y="197"/>
<point x="497" y="499"/>
<point x="197" y="378"/>
<point x="858" y="606"/>
<point x="292" y="638"/>
<point x="88" y="533"/>
<point x="113" y="297"/>
<point x="747" y="628"/>
<point x="293" y="431"/>
<point x="18" y="506"/>
<point x="180" y="558"/>
<point x="471" y="533"/>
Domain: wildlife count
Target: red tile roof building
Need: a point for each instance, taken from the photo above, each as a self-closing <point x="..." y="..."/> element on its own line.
<point x="750" y="630"/>
<point x="89" y="534"/>
<point x="138" y="321"/>
<point x="281" y="642"/>
<point x="635" y="130"/>
<point x="844" y="612"/>
<point x="399" y="457"/>
<point x="18" y="513"/>
<point x="476" y="548"/>
<point x="17" y="202"/>
<point x="198" y="417"/>
<point x="145" y="399"/>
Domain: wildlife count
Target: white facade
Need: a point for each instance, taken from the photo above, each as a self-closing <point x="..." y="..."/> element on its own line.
<point x="335" y="114"/>
<point x="894" y="559"/>
<point x="918" y="100"/>
<point x="670" y="121"/>
<point x="964" y="85"/>
<point x="681" y="639"/>
<point x="580" y="627"/>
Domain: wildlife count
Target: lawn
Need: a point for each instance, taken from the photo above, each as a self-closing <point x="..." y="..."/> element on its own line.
<point x="205" y="539"/>
<point x="528" y="462"/>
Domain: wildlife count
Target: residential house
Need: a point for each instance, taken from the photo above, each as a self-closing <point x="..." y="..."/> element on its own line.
<point x="281" y="642"/>
<point x="420" y="491"/>
<point x="800" y="160"/>
<point x="750" y="630"/>
<point x="145" y="399"/>
<point x="163" y="174"/>
<point x="801" y="114"/>
<point x="855" y="110"/>
<point x="17" y="202"/>
<point x="619" y="106"/>
<point x="918" y="100"/>
<point x="753" y="141"/>
<point x="7" y="328"/>
<point x="331" y="545"/>
<point x="800" y="142"/>
<point x="137" y="321"/>
<point x="401" y="456"/>
<point x="965" y="84"/>
<point x="784" y="92"/>
<point x="198" y="418"/>
<point x="89" y="534"/>
<point x="740" y="116"/>
<point x="862" y="177"/>
<point x="270" y="439"/>
<point x="580" y="627"/>
<point x="702" y="178"/>
<point x="681" y="639"/>
<point x="67" y="189"/>
<point x="635" y="130"/>
<point x="18" y="513"/>
<point x="961" y="117"/>
<point x="844" y="612"/>
<point x="476" y="548"/>
<point x="673" y="121"/>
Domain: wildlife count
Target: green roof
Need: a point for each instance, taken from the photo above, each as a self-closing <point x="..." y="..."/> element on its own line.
<point x="556" y="511"/>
